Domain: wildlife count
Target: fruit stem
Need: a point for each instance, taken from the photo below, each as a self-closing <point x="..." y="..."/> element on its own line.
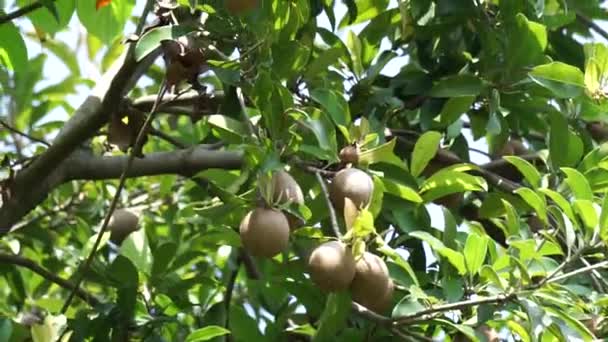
<point x="332" y="212"/>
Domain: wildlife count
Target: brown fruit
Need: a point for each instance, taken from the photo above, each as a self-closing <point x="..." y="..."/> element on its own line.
<point x="513" y="147"/>
<point x="122" y="223"/>
<point x="236" y="7"/>
<point x="598" y="131"/>
<point x="286" y="189"/>
<point x="452" y="201"/>
<point x="349" y="154"/>
<point x="332" y="266"/>
<point x="354" y="184"/>
<point x="372" y="286"/>
<point x="264" y="232"/>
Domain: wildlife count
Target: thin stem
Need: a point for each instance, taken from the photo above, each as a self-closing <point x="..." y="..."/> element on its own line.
<point x="50" y="276"/>
<point x="21" y="12"/>
<point x="25" y="135"/>
<point x="121" y="184"/>
<point x="241" y="98"/>
<point x="592" y="25"/>
<point x="579" y="271"/>
<point x="453" y="306"/>
<point x="332" y="212"/>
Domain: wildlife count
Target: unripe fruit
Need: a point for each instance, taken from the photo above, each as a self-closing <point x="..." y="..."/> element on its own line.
<point x="264" y="232"/>
<point x="332" y="266"/>
<point x="286" y="189"/>
<point x="122" y="223"/>
<point x="372" y="286"/>
<point x="354" y="184"/>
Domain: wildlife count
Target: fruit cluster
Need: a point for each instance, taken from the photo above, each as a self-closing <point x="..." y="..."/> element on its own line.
<point x="332" y="266"/>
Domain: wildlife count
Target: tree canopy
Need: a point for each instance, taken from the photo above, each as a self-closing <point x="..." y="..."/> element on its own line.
<point x="295" y="170"/>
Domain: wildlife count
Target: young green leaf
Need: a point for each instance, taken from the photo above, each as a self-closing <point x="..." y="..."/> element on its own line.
<point x="424" y="151"/>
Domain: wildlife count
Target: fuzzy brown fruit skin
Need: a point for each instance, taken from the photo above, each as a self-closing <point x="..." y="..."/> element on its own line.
<point x="264" y="232"/>
<point x="349" y="154"/>
<point x="122" y="223"/>
<point x="285" y="190"/>
<point x="372" y="286"/>
<point x="513" y="147"/>
<point x="332" y="266"/>
<point x="598" y="131"/>
<point x="354" y="184"/>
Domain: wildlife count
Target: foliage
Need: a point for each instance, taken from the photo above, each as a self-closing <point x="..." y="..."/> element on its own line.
<point x="513" y="246"/>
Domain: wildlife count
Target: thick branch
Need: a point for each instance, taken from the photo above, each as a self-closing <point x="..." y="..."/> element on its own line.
<point x="184" y="162"/>
<point x="30" y="186"/>
<point x="34" y="267"/>
<point x="184" y="104"/>
<point x="83" y="166"/>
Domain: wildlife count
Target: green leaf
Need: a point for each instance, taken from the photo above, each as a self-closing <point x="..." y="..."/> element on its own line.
<point x="535" y="201"/>
<point x="561" y="202"/>
<point x="123" y="272"/>
<point x="151" y="39"/>
<point x="455" y="258"/>
<point x="354" y="45"/>
<point x="513" y="225"/>
<point x="6" y="329"/>
<point x="475" y="250"/>
<point x="530" y="173"/>
<point x="135" y="247"/>
<point x="526" y="43"/>
<point x="235" y="129"/>
<point x="394" y="187"/>
<point x="365" y="10"/>
<point x="13" y="52"/>
<point x="457" y="86"/>
<point x="65" y="54"/>
<point x="381" y="154"/>
<point x="54" y="18"/>
<point x="596" y="66"/>
<point x="424" y="151"/>
<point x="333" y="318"/>
<point x="604" y="219"/>
<point x="446" y="182"/>
<point x="290" y="57"/>
<point x="586" y="212"/>
<point x="455" y="107"/>
<point x="364" y="224"/>
<point x="578" y="184"/>
<point x="206" y="333"/>
<point x="559" y="142"/>
<point x="334" y="104"/>
<point x="108" y="22"/>
<point x="563" y="80"/>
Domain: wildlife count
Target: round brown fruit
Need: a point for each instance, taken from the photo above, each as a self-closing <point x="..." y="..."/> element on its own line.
<point x="286" y="189"/>
<point x="598" y="131"/>
<point x="513" y="147"/>
<point x="264" y="232"/>
<point x="236" y="7"/>
<point x="332" y="266"/>
<point x="349" y="154"/>
<point x="354" y="184"/>
<point x="371" y="279"/>
<point x="122" y="223"/>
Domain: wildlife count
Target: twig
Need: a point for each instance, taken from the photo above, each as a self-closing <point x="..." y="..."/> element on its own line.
<point x="370" y="315"/>
<point x="592" y="25"/>
<point x="173" y="141"/>
<point x="332" y="212"/>
<point x="579" y="271"/>
<point x="230" y="288"/>
<point x="406" y="319"/>
<point x="25" y="135"/>
<point x="21" y="12"/>
<point x="121" y="184"/>
<point x="50" y="276"/>
<point x="140" y="25"/>
<point x="241" y="98"/>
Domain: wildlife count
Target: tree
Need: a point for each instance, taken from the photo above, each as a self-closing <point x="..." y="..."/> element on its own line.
<point x="275" y="177"/>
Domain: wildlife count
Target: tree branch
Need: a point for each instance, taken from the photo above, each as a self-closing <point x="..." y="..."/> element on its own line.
<point x="25" y="135"/>
<point x="592" y="25"/>
<point x="21" y="11"/>
<point x="184" y="104"/>
<point x="332" y="212"/>
<point x="30" y="185"/>
<point x="83" y="166"/>
<point x="52" y="277"/>
<point x="453" y="306"/>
